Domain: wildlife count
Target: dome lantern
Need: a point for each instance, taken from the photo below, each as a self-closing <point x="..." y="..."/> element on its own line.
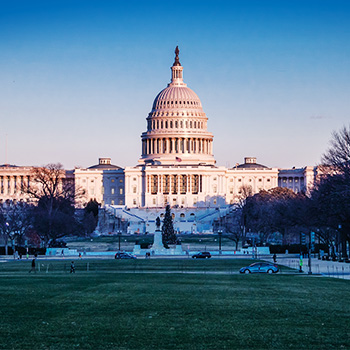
<point x="176" y="71"/>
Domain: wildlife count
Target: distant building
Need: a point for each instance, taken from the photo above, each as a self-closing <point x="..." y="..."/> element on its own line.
<point x="176" y="167"/>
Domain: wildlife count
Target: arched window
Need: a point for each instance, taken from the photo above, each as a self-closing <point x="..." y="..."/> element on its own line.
<point x="171" y="124"/>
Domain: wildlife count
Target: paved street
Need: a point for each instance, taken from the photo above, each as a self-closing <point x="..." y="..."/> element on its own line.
<point x="323" y="267"/>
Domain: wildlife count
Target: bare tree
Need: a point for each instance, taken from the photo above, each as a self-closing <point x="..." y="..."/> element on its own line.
<point x="337" y="157"/>
<point x="54" y="193"/>
<point x="332" y="192"/>
<point x="15" y="221"/>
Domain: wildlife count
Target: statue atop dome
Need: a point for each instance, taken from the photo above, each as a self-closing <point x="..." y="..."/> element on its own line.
<point x="177" y="62"/>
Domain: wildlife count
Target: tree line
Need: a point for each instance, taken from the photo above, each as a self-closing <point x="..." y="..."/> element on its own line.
<point x="49" y="214"/>
<point x="323" y="210"/>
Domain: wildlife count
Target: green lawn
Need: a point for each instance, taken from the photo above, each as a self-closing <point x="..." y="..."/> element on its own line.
<point x="169" y="304"/>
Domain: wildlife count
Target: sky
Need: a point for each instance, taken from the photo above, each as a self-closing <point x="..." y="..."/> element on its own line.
<point x="78" y="78"/>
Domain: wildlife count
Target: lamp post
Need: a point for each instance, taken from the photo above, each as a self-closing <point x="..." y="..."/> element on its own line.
<point x="310" y="272"/>
<point x="119" y="236"/>
<point x="219" y="233"/>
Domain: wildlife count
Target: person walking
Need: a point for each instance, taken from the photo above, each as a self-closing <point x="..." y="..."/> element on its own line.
<point x="72" y="267"/>
<point x="33" y="267"/>
<point x="274" y="257"/>
<point x="301" y="263"/>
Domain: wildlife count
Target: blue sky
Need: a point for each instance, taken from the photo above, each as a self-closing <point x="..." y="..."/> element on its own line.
<point x="78" y="78"/>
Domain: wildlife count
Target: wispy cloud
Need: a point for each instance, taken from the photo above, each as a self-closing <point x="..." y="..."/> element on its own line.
<point x="318" y="117"/>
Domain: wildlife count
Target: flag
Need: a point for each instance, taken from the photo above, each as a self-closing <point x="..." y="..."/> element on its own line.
<point x="178" y="159"/>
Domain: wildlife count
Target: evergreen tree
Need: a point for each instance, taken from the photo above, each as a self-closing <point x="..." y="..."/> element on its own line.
<point x="168" y="233"/>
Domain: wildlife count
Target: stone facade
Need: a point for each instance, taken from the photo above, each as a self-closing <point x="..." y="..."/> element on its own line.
<point x="176" y="167"/>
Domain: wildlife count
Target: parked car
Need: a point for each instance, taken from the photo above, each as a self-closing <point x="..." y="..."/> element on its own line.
<point x="260" y="267"/>
<point x="202" y="255"/>
<point x="122" y="255"/>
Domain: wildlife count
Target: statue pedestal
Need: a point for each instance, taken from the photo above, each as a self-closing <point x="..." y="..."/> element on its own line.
<point x="158" y="247"/>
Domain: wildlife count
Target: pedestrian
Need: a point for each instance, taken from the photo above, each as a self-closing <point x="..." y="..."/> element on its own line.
<point x="274" y="257"/>
<point x="72" y="267"/>
<point x="79" y="255"/>
<point x="33" y="267"/>
<point x="301" y="263"/>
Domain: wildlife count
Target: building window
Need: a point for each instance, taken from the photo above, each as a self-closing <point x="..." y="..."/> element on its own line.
<point x="120" y="190"/>
<point x="239" y="180"/>
<point x="134" y="202"/>
<point x="120" y="202"/>
<point x="214" y="201"/>
<point x="154" y="201"/>
<point x="231" y="190"/>
<point x="112" y="190"/>
<point x="154" y="184"/>
<point x="194" y="201"/>
<point x="214" y="189"/>
<point x="195" y="183"/>
<point x="183" y="184"/>
<point x="112" y="180"/>
<point x="166" y="184"/>
<point x="134" y="179"/>
<point x="112" y="202"/>
<point x="260" y="180"/>
<point x="268" y="180"/>
<point x="174" y="184"/>
<point x="121" y="180"/>
<point x="134" y="189"/>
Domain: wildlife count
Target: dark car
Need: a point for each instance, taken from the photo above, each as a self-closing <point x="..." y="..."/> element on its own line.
<point x="260" y="267"/>
<point x="122" y="255"/>
<point x="202" y="255"/>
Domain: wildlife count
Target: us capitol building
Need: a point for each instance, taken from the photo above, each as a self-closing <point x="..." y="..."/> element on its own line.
<point x="176" y="167"/>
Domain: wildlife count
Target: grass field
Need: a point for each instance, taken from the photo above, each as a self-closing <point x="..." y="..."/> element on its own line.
<point x="169" y="304"/>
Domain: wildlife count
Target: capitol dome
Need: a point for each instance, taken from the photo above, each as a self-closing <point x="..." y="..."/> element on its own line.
<point x="177" y="125"/>
<point x="179" y="96"/>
